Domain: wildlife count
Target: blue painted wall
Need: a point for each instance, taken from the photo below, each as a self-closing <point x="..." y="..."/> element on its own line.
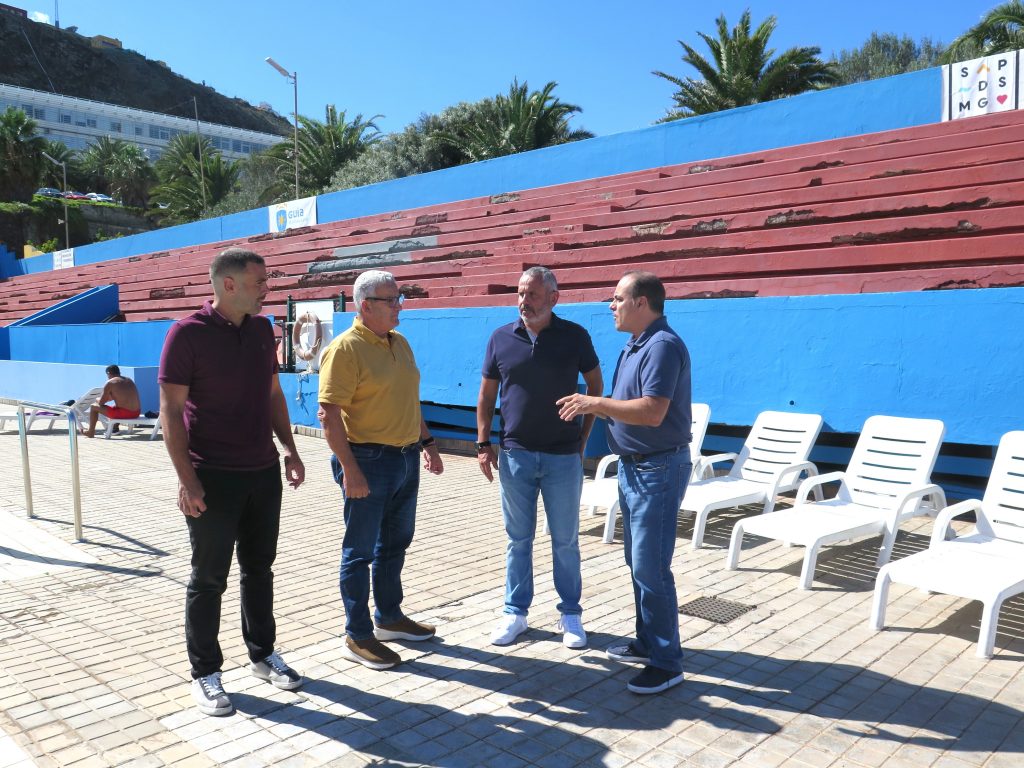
<point x="103" y="344"/>
<point x="878" y="105"/>
<point x="941" y="354"/>
<point x="58" y="382"/>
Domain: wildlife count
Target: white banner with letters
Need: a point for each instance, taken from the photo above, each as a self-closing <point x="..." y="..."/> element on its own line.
<point x="981" y="86"/>
<point x="64" y="259"/>
<point x="294" y="213"/>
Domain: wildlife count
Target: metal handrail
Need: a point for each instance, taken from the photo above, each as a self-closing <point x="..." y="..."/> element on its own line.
<point x="76" y="489"/>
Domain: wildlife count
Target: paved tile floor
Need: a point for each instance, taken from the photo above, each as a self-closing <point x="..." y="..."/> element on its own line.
<point x="93" y="669"/>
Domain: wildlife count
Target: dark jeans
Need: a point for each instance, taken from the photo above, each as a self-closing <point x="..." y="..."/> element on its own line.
<point x="242" y="508"/>
<point x="378" y="530"/>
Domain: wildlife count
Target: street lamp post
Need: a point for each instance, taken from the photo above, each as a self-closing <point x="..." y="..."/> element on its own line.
<point x="294" y="77"/>
<point x="64" y="197"/>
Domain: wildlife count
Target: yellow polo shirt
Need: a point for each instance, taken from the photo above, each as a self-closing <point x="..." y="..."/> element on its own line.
<point x="376" y="383"/>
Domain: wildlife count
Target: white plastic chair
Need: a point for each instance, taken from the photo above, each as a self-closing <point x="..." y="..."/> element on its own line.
<point x="986" y="564"/>
<point x="888" y="481"/>
<point x="152" y="424"/>
<point x="773" y="460"/>
<point x="603" y="491"/>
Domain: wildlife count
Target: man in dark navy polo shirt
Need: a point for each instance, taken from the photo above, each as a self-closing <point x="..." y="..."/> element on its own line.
<point x="649" y="427"/>
<point x="220" y="404"/>
<point x="533" y="362"/>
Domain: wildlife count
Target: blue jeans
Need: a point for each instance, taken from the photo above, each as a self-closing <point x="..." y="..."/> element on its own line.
<point x="559" y="479"/>
<point x="650" y="492"/>
<point x="378" y="530"/>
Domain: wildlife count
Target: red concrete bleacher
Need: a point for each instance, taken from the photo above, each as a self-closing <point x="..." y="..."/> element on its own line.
<point x="930" y="207"/>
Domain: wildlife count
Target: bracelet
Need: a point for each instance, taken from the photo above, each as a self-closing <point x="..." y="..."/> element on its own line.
<point x="483" y="444"/>
<point x="427" y="441"/>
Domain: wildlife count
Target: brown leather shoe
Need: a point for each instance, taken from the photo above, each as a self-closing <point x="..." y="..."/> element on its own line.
<point x="370" y="653"/>
<point x="404" y="629"/>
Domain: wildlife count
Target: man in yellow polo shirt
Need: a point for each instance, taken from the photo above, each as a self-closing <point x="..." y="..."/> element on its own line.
<point x="370" y="411"/>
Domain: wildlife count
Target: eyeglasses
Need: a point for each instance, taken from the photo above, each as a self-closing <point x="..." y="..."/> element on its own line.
<point x="391" y="301"/>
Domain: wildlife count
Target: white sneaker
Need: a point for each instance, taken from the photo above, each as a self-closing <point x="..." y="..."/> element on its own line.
<point x="573" y="634"/>
<point x="509" y="628"/>
<point x="210" y="696"/>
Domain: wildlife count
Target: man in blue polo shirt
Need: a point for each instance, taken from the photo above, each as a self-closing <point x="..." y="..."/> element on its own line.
<point x="533" y="362"/>
<point x="649" y="427"/>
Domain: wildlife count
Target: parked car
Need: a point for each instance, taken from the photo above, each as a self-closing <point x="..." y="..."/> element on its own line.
<point x="99" y="197"/>
<point x="49" y="192"/>
<point x="72" y="195"/>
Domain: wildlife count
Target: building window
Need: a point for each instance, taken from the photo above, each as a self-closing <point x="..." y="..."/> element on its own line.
<point x="138" y="130"/>
<point x="40" y="113"/>
<point x="115" y="126"/>
<point x="65" y="117"/>
<point x="91" y="122"/>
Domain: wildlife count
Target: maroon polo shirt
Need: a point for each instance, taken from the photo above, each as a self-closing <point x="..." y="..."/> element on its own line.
<point x="228" y="370"/>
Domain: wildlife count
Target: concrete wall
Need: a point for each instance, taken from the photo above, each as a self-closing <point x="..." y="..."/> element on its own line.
<point x="879" y="105"/>
<point x="102" y="344"/>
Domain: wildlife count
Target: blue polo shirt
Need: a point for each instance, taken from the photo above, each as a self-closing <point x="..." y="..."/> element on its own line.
<point x="657" y="364"/>
<point x="532" y="377"/>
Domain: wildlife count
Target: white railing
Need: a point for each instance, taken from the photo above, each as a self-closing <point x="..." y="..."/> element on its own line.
<point x="72" y="419"/>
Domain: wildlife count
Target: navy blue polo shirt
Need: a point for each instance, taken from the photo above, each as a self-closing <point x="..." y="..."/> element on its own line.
<point x="533" y="376"/>
<point x="656" y="364"/>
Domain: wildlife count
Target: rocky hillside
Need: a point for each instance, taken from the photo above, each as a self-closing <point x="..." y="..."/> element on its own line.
<point x="122" y="77"/>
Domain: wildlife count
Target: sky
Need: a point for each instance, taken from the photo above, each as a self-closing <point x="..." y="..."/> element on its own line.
<point x="403" y="58"/>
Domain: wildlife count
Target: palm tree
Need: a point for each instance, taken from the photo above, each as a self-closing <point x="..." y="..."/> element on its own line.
<point x="130" y="176"/>
<point x="742" y="71"/>
<point x="98" y="159"/>
<point x="517" y="122"/>
<point x="324" y="147"/>
<point x="21" y="159"/>
<point x="51" y="174"/>
<point x="187" y="188"/>
<point x="999" y="31"/>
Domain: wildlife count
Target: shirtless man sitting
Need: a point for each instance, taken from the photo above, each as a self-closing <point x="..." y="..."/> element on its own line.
<point x="125" y="396"/>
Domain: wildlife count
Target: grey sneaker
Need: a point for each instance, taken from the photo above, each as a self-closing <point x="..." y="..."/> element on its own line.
<point x="626" y="653"/>
<point x="277" y="673"/>
<point x="210" y="697"/>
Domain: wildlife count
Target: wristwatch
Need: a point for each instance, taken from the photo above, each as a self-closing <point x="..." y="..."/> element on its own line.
<point x="483" y="444"/>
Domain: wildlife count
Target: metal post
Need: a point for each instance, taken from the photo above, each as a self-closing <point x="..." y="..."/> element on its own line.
<point x="199" y="141"/>
<point x="26" y="473"/>
<point x="76" y="488"/>
<point x="289" y="329"/>
<point x="295" y="83"/>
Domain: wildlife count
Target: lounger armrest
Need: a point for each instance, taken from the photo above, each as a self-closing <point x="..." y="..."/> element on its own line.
<point x="793" y="471"/>
<point x="816" y="481"/>
<point x="945" y="517"/>
<point x="603" y="464"/>
<point x="912" y="498"/>
<point x="706" y="462"/>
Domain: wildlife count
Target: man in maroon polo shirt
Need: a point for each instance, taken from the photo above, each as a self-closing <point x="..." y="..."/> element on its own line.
<point x="220" y="402"/>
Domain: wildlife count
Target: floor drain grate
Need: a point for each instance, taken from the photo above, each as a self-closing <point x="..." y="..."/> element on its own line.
<point x="714" y="609"/>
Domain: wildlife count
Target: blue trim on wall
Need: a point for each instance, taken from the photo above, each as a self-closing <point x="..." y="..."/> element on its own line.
<point x="877" y="105"/>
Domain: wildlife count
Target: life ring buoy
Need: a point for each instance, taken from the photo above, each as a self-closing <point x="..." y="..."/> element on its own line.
<point x="303" y="352"/>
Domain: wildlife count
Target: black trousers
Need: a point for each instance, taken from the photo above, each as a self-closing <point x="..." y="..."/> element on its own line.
<point x="242" y="508"/>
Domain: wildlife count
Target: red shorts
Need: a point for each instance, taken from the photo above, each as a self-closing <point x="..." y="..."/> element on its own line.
<point x="113" y="412"/>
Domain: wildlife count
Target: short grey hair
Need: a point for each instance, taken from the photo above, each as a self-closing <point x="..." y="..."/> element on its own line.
<point x="544" y="274"/>
<point x="367" y="284"/>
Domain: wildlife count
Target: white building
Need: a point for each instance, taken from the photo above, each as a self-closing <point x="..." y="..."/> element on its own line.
<point x="79" y="122"/>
